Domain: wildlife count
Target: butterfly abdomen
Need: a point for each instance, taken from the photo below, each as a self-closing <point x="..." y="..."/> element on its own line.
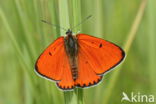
<point x="71" y="48"/>
<point x="74" y="73"/>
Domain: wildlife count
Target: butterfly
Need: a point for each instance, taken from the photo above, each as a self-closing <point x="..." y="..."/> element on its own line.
<point x="78" y="60"/>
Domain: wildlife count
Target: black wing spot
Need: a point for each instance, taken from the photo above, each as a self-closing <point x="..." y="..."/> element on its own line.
<point x="54" y="49"/>
<point x="50" y="53"/>
<point x="86" y="62"/>
<point x="100" y="45"/>
<point x="90" y="84"/>
<point x="84" y="85"/>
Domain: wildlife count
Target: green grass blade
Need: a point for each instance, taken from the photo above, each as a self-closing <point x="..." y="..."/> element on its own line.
<point x="75" y="18"/>
<point x="24" y="23"/>
<point x="152" y="41"/>
<point x="64" y="22"/>
<point x="128" y="43"/>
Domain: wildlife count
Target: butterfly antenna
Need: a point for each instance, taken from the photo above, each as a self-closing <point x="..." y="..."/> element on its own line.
<point x="84" y="20"/>
<point x="54" y="25"/>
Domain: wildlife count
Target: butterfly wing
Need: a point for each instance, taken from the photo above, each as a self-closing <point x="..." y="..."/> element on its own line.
<point x="53" y="64"/>
<point x="96" y="56"/>
<point x="86" y="75"/>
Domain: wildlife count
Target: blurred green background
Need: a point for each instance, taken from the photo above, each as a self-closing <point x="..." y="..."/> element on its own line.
<point x="129" y="23"/>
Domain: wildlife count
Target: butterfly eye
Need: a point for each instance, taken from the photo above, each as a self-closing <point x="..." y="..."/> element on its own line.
<point x="100" y="45"/>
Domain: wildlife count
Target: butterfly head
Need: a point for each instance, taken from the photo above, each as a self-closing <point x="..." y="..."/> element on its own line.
<point x="69" y="32"/>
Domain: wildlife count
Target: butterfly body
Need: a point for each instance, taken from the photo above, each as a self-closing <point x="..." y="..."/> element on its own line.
<point x="71" y="47"/>
<point x="78" y="60"/>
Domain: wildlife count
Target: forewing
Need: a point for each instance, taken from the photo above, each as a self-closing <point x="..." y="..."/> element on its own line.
<point x="53" y="64"/>
<point x="49" y="63"/>
<point x="101" y="54"/>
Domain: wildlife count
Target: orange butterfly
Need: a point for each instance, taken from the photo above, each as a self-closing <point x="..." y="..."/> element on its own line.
<point x="78" y="61"/>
